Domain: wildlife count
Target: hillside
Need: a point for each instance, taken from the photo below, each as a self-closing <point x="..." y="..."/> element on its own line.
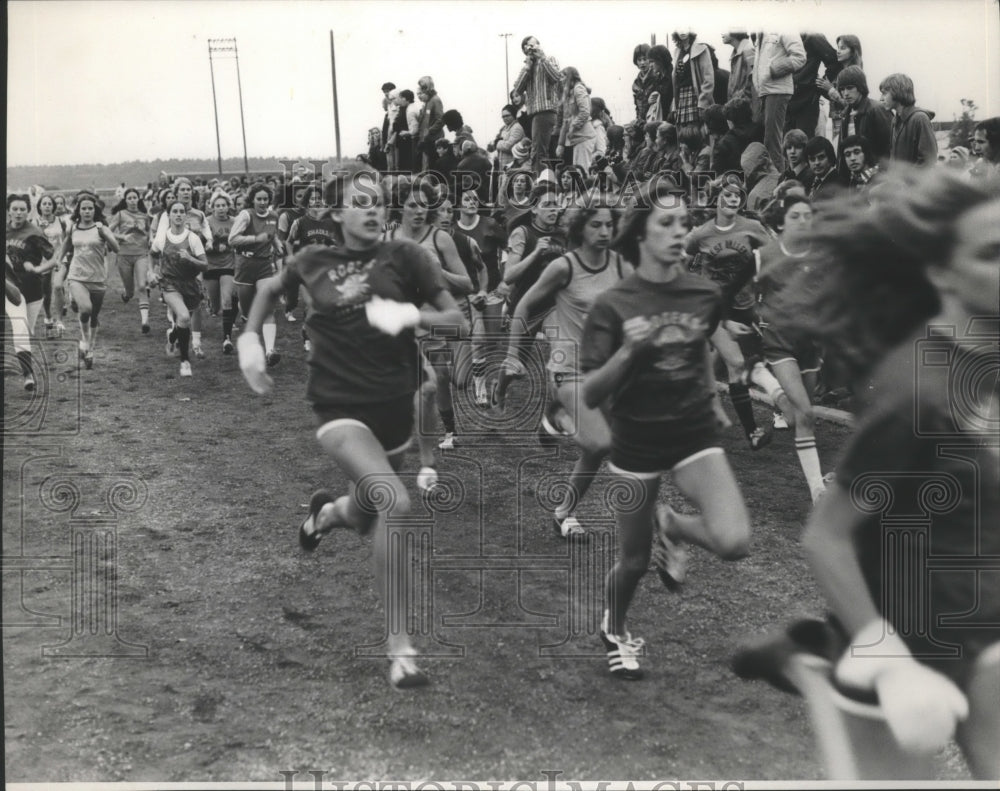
<point x="137" y="172"/>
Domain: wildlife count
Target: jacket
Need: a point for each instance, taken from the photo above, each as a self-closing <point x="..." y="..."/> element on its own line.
<point x="779" y="56"/>
<point x="874" y="123"/>
<point x="507" y="138"/>
<point x="817" y="50"/>
<point x="741" y="72"/>
<point x="431" y="124"/>
<point x="913" y="137"/>
<point x="702" y="73"/>
<point x="576" y="127"/>
<point x="539" y="82"/>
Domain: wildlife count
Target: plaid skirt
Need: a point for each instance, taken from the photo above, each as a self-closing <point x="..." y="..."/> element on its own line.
<point x="687" y="106"/>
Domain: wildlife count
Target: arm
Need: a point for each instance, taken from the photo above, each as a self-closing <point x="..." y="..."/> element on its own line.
<point x="196" y="252"/>
<point x="582" y="100"/>
<point x="451" y="263"/>
<point x="552" y="279"/>
<point x="793" y="60"/>
<point x="237" y="237"/>
<point x="108" y="237"/>
<point x="516" y="265"/>
<point x="927" y="147"/>
<point x="550" y="66"/>
<point x="707" y="87"/>
<point x="435" y="112"/>
<point x="521" y="83"/>
<point x="515" y="136"/>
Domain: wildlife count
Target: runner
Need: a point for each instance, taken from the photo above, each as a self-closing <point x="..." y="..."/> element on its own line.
<point x="182" y="259"/>
<point x="130" y="224"/>
<point x="55" y="228"/>
<point x="255" y="240"/>
<point x="316" y="227"/>
<point x="218" y="278"/>
<point x="363" y="374"/>
<point x="574" y="281"/>
<point x="26" y="248"/>
<point x="645" y="350"/>
<point x="87" y="244"/>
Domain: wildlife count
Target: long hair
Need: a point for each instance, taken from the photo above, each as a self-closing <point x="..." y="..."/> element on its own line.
<point x="123" y="205"/>
<point x="853" y="43"/>
<point x="571" y="76"/>
<point x="98" y="207"/>
<point x="868" y="289"/>
<point x="658" y="191"/>
<point x="578" y="214"/>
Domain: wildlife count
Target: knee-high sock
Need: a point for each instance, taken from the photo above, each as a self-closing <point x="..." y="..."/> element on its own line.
<point x="740" y="395"/>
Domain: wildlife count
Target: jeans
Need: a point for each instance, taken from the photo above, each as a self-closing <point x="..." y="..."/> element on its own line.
<point x="543" y="124"/>
<point x="775" y="107"/>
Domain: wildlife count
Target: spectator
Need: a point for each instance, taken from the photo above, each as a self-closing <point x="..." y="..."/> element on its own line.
<point x="913" y="137"/>
<point x="641" y="166"/>
<point x="668" y="153"/>
<point x="446" y="162"/>
<point x="577" y="134"/>
<point x="796" y="166"/>
<point x="695" y="153"/>
<point x="453" y="121"/>
<point x="376" y="151"/>
<point x="740" y="66"/>
<point x="862" y="115"/>
<point x="720" y="92"/>
<point x="716" y="129"/>
<point x="779" y="56"/>
<point x="406" y="129"/>
<point x="430" y="123"/>
<point x="662" y="69"/>
<point x="694" y="78"/>
<point x="473" y="172"/>
<point x="848" y="54"/>
<point x="510" y="134"/>
<point x="803" y="108"/>
<point x="601" y="120"/>
<point x="741" y="132"/>
<point x="823" y="164"/>
<point x="958" y="160"/>
<point x="857" y="165"/>
<point x="390" y="107"/>
<point x="539" y="83"/>
<point x="761" y="176"/>
<point x="642" y="85"/>
<point x="986" y="146"/>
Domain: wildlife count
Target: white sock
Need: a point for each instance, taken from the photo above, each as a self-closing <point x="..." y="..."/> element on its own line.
<point x="764" y="379"/>
<point x="270" y="332"/>
<point x="144" y="315"/>
<point x="195" y="339"/>
<point x="805" y="447"/>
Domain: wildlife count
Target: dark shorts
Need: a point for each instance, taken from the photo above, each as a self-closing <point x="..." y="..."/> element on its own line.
<point x="215" y="274"/>
<point x="752" y="345"/>
<point x="250" y="270"/>
<point x="390" y="421"/>
<point x="648" y="449"/>
<point x="190" y="291"/>
<point x="780" y="346"/>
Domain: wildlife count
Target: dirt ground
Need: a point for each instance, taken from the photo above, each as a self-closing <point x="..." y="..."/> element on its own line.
<point x="252" y="657"/>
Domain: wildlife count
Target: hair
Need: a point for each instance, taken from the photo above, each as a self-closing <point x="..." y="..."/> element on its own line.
<point x="580" y="213"/>
<point x="668" y="132"/>
<point x="170" y="206"/>
<point x="44" y="195"/>
<point x="650" y="128"/>
<point x="346" y="174"/>
<point x="509" y="108"/>
<point x="640" y="51"/>
<point x="14" y="198"/>
<point x="676" y="39"/>
<point x="869" y="290"/>
<point x="598" y="107"/>
<point x="738" y="36"/>
<point x="405" y="188"/>
<point x="660" y="55"/>
<point x="80" y="198"/>
<point x="991" y="128"/>
<point x="388" y="86"/>
<point x="853" y="76"/>
<point x="452" y="119"/>
<point x="794" y="137"/>
<point x="900" y="87"/>
<point x="259" y="187"/>
<point x="853" y="43"/>
<point x="407" y="94"/>
<point x="691" y="136"/>
<point x="738" y="111"/>
<point x="219" y="193"/>
<point x="122" y="204"/>
<point x="852" y="141"/>
<point x="715" y="119"/>
<point x="571" y="76"/>
<point x="572" y="169"/>
<point x="426" y="83"/>
<point x="632" y="228"/>
<point x="820" y="145"/>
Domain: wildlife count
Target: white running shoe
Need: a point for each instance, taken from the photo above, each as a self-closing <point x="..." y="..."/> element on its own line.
<point x="427" y="479"/>
<point x="448" y="443"/>
<point x="623" y="652"/>
<point x="198" y="352"/>
<point x="186" y="368"/>
<point x="779" y="422"/>
<point x="290" y="317"/>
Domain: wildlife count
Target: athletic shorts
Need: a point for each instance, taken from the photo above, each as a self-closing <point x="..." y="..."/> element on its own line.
<point x="752" y="345"/>
<point x="215" y="274"/>
<point x="190" y="291"/>
<point x="91" y="286"/>
<point x="131" y="259"/>
<point x="780" y="346"/>
<point x="250" y="270"/>
<point x="390" y="421"/>
<point x="648" y="449"/>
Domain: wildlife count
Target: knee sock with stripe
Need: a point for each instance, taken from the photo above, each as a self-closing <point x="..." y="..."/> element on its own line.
<point x="805" y="448"/>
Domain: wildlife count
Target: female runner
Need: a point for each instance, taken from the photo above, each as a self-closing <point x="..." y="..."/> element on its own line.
<point x="55" y="227"/>
<point x="130" y="224"/>
<point x="88" y="243"/>
<point x="646" y="351"/>
<point x="221" y="262"/>
<point x="363" y="373"/>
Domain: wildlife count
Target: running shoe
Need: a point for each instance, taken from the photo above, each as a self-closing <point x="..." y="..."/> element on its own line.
<point x="49" y="328"/>
<point x="60" y="329"/>
<point x="569" y="527"/>
<point x="759" y="438"/>
<point x="319" y="522"/>
<point x="125" y="297"/>
<point x="482" y="397"/>
<point x="198" y="352"/>
<point x="145" y="329"/>
<point x="780" y="424"/>
<point x="449" y="442"/>
<point x="29" y="382"/>
<point x="623" y="652"/>
<point x="670" y="558"/>
<point x="227" y="346"/>
<point x="403" y="671"/>
<point x="551" y="427"/>
<point x="273" y="358"/>
<point x="307" y="345"/>
<point x="290" y="317"/>
<point x="499" y="407"/>
<point x="186" y="369"/>
<point x="88" y="359"/>
<point x="171" y="343"/>
<point x="427" y="479"/>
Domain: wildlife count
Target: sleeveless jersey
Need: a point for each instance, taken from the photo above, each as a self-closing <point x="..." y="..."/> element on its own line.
<point x="314" y="230"/>
<point x="89" y="250"/>
<point x="172" y="266"/>
<point x="133" y="227"/>
<point x="259" y="251"/>
<point x="217" y="251"/>
<point x="533" y="272"/>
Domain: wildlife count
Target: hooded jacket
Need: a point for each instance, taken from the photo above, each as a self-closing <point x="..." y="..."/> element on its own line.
<point x="913" y="137"/>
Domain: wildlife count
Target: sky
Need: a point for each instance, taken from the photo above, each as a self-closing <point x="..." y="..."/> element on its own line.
<point x="101" y="82"/>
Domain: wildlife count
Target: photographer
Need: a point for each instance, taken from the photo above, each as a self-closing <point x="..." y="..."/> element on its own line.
<point x="539" y="82"/>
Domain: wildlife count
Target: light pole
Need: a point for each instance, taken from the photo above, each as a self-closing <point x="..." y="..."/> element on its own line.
<point x="217" y="46"/>
<point x="506" y="61"/>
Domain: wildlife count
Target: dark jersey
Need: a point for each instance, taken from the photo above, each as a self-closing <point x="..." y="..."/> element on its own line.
<point x="667" y="381"/>
<point x="27" y="243"/>
<point x="777" y="267"/>
<point x="491" y="240"/>
<point x="309" y="230"/>
<point x="523" y="240"/>
<point x="924" y="462"/>
<point x="726" y="256"/>
<point x="217" y="250"/>
<point x="352" y="362"/>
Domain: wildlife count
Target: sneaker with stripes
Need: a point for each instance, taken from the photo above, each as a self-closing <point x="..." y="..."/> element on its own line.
<point x="623" y="652"/>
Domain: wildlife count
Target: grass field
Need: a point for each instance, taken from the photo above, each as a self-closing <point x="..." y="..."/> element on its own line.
<point x="229" y="654"/>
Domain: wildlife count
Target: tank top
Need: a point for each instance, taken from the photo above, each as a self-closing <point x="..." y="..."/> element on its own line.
<point x="572" y="304"/>
<point x="315" y="230"/>
<point x="89" y="250"/>
<point x="172" y="266"/>
<point x="134" y="227"/>
<point x="217" y="251"/>
<point x="430" y="243"/>
<point x="54" y="230"/>
<point x="259" y="251"/>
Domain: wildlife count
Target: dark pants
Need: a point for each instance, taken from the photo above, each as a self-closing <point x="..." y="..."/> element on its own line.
<point x="775" y="107"/>
<point x="543" y="124"/>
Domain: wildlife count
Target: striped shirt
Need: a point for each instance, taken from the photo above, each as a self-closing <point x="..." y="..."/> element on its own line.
<point x="539" y="81"/>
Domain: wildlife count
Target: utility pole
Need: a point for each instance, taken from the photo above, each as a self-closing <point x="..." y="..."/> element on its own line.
<point x="506" y="61"/>
<point x="336" y="109"/>
<point x="215" y="108"/>
<point x="220" y="47"/>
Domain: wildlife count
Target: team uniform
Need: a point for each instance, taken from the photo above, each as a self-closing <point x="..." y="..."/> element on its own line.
<point x="776" y="267"/>
<point x="55" y="231"/>
<point x="255" y="260"/>
<point x="87" y="266"/>
<point x="132" y="229"/>
<point x="358" y="374"/>
<point x="523" y="240"/>
<point x="25" y="244"/>
<point x="177" y="274"/>
<point x="220" y="256"/>
<point x="662" y="413"/>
